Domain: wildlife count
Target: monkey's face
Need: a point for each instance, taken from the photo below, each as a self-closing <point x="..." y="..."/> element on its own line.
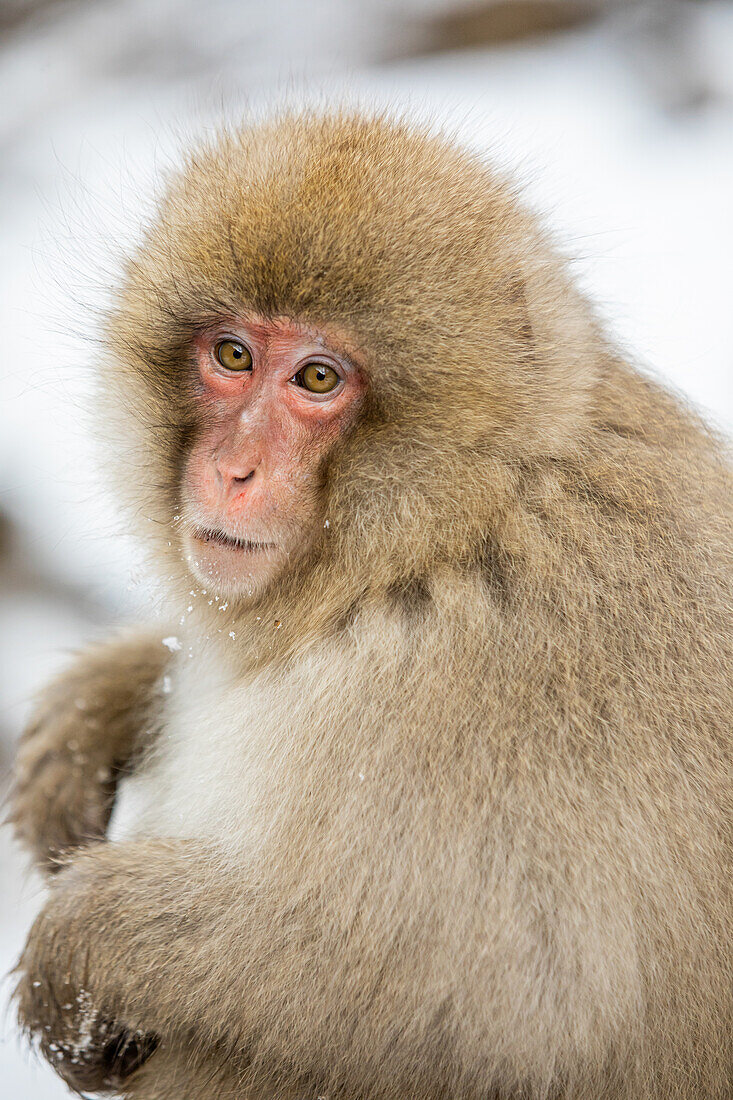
<point x="274" y="397"/>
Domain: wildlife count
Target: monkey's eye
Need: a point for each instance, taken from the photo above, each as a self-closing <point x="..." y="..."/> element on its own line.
<point x="317" y="378"/>
<point x="233" y="356"/>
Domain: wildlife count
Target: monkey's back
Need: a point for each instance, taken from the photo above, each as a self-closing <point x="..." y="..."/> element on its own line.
<point x="476" y="751"/>
<point x="501" y="794"/>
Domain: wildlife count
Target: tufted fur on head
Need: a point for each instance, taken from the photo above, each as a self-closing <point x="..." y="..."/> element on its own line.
<point x="526" y="585"/>
<point x="481" y="356"/>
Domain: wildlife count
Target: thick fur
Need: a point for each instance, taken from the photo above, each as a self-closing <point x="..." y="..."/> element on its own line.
<point x="463" y="824"/>
<point x="82" y="736"/>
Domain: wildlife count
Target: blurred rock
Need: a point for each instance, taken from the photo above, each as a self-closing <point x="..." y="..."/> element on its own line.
<point x="661" y="38"/>
<point x="16" y="13"/>
<point x="497" y="22"/>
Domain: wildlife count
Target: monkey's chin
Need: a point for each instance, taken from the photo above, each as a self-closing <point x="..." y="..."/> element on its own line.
<point x="231" y="566"/>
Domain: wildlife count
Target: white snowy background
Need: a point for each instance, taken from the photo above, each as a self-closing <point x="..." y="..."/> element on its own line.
<point x="620" y="129"/>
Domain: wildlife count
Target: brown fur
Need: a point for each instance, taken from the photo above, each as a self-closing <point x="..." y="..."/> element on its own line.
<point x="82" y="735"/>
<point x="493" y="852"/>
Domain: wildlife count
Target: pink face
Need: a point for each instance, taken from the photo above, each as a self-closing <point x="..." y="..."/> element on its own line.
<point x="274" y="398"/>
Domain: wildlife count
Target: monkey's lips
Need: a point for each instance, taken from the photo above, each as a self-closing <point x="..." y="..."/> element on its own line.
<point x="232" y="563"/>
<point x="230" y="542"/>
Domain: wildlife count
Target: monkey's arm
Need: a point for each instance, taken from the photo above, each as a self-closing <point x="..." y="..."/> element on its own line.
<point x="86" y="728"/>
<point x="137" y="941"/>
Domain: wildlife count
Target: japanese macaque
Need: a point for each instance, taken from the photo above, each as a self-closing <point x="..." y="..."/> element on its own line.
<point x="430" y="794"/>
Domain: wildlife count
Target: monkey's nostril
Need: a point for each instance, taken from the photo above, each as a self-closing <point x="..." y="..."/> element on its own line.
<point x="243" y="480"/>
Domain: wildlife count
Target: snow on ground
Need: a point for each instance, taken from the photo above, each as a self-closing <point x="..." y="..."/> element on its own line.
<point x="639" y="197"/>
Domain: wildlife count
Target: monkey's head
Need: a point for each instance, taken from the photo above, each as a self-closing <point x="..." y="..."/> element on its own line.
<point x="336" y="345"/>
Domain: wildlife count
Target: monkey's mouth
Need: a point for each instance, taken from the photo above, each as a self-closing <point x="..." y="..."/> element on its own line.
<point x="247" y="546"/>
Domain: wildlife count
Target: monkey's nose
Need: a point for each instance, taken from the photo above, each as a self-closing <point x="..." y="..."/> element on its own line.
<point x="233" y="477"/>
<point x="235" y="484"/>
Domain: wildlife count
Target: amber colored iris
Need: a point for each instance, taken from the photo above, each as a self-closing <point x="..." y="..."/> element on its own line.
<point x="233" y="356"/>
<point x="319" y="378"/>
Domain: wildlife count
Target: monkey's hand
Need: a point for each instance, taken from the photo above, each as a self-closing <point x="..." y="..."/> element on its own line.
<point x="122" y="956"/>
<point x="85" y="730"/>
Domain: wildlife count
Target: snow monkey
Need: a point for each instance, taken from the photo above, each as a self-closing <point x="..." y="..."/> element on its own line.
<point x="430" y="794"/>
